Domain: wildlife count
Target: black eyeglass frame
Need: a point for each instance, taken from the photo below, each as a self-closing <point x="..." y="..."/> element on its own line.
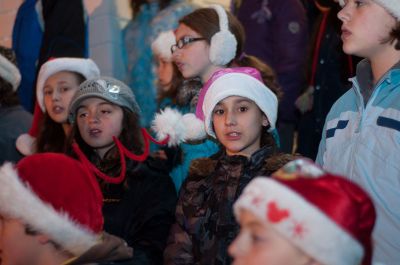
<point x="183" y="42"/>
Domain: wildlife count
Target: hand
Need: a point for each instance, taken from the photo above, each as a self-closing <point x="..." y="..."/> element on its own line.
<point x="305" y="101"/>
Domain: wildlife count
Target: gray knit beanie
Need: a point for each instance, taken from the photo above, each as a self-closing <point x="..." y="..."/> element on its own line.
<point x="107" y="88"/>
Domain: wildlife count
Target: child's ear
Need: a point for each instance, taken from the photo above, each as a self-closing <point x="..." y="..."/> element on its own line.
<point x="264" y="121"/>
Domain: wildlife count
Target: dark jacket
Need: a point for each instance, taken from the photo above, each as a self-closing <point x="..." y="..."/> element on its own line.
<point x="277" y="33"/>
<point x="205" y="224"/>
<point x="13" y="121"/>
<point x="141" y="210"/>
<point x="329" y="77"/>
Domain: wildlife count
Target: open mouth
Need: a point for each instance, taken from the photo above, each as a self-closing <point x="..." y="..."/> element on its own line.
<point x="94" y="132"/>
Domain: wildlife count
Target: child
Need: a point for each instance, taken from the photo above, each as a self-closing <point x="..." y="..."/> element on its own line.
<point x="57" y="82"/>
<point x="180" y="94"/>
<point x="43" y="219"/>
<point x="361" y="133"/>
<point x="208" y="39"/>
<point x="149" y="18"/>
<point x="138" y="208"/>
<point x="303" y="216"/>
<point x="240" y="112"/>
<point x="14" y="120"/>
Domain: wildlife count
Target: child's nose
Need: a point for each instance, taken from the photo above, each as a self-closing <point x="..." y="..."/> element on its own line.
<point x="230" y="118"/>
<point x="93" y="118"/>
<point x="56" y="95"/>
<point x="344" y="14"/>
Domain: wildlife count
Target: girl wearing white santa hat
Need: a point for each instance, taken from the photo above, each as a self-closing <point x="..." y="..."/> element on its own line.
<point x="57" y="82"/>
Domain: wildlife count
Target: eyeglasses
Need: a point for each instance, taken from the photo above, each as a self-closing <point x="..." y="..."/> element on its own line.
<point x="183" y="42"/>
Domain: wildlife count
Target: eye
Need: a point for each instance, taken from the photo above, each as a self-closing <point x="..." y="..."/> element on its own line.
<point x="256" y="239"/>
<point x="82" y="115"/>
<point x="218" y="112"/>
<point x="358" y="3"/>
<point x="65" y="89"/>
<point x="243" y="108"/>
<point x="47" y="92"/>
<point x="105" y="111"/>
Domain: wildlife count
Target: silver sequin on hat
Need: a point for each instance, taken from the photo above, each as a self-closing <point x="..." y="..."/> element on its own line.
<point x="106" y="88"/>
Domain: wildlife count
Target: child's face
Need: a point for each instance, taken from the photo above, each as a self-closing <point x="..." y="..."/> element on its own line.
<point x="365" y="25"/>
<point x="58" y="91"/>
<point x="238" y="124"/>
<point x="260" y="244"/>
<point x="98" y="121"/>
<point x="165" y="71"/>
<point x="193" y="58"/>
<point x="16" y="247"/>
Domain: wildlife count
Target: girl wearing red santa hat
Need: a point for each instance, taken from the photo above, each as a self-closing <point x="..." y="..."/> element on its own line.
<point x="57" y="82"/>
<point x="301" y="216"/>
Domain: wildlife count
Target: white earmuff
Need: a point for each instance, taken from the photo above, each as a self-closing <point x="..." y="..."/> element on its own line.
<point x="223" y="43"/>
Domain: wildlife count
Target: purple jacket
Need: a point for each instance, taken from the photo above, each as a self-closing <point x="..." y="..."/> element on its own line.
<point x="276" y="32"/>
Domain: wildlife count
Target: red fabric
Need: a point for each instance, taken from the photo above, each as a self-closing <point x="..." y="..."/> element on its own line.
<point x="123" y="151"/>
<point x="343" y="202"/>
<point x="65" y="184"/>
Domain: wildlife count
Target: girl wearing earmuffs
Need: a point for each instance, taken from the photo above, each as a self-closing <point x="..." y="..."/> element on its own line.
<point x="237" y="109"/>
<point x="207" y="40"/>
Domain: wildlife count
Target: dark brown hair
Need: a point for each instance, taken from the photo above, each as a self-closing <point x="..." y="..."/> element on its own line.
<point x="205" y="21"/>
<point x="395" y="36"/>
<point x="175" y="84"/>
<point x="130" y="137"/>
<point x="52" y="137"/>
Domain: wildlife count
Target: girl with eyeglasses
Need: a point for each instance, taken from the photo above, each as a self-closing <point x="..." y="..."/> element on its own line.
<point x="235" y="108"/>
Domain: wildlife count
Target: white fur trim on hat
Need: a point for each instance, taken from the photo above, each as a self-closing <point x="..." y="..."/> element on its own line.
<point x="179" y="128"/>
<point x="26" y="144"/>
<point x="243" y="85"/>
<point x="162" y="45"/>
<point x="223" y="43"/>
<point x="392" y="6"/>
<point x="300" y="222"/>
<point x="85" y="67"/>
<point x="19" y="201"/>
<point x="9" y="72"/>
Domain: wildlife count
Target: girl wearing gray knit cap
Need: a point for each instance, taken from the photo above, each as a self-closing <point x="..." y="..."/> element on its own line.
<point x="139" y="196"/>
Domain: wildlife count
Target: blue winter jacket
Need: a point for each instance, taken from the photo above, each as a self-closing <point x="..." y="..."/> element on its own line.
<point x="361" y="140"/>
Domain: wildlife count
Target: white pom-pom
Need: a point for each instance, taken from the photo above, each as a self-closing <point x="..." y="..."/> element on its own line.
<point x="162" y="45"/>
<point x="222" y="48"/>
<point x="26" y="144"/>
<point x="194" y="127"/>
<point x="168" y="123"/>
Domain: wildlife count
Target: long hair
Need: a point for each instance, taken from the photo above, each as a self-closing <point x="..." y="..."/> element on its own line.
<point x="175" y="84"/>
<point x="52" y="136"/>
<point x="130" y="137"/>
<point x="394" y="36"/>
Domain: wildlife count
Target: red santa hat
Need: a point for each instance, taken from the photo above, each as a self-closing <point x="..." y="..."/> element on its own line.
<point x="55" y="195"/>
<point x="326" y="216"/>
<point x="86" y="67"/>
<point x="241" y="81"/>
